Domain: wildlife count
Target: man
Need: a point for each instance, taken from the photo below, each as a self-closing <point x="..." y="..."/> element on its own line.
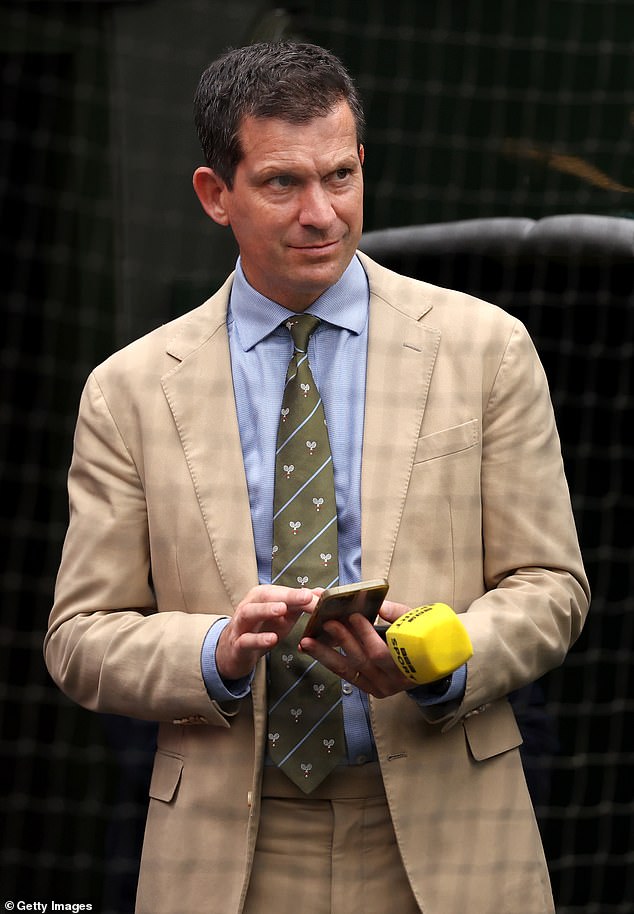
<point x="171" y="604"/>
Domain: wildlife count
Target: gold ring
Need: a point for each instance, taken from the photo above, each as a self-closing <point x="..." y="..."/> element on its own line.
<point x="356" y="675"/>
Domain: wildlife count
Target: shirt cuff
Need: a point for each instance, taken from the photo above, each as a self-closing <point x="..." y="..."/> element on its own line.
<point x="218" y="688"/>
<point x="427" y="695"/>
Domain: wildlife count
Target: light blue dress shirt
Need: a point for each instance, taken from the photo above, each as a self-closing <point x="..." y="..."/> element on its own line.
<point x="260" y="350"/>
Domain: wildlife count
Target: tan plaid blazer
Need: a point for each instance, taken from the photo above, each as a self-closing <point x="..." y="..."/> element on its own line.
<point x="463" y="500"/>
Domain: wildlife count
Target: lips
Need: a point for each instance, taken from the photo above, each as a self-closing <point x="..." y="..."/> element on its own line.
<point x="324" y="246"/>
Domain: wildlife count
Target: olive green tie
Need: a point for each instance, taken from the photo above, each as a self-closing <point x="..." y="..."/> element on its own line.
<point x="306" y="735"/>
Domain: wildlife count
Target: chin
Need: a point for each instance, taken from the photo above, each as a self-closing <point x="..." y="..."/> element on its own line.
<point x="323" y="276"/>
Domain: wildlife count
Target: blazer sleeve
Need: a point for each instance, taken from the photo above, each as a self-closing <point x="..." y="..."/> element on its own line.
<point x="107" y="647"/>
<point x="537" y="593"/>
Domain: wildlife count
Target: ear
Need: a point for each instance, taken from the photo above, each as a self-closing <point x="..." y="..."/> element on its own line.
<point x="211" y="191"/>
<point x="361" y="153"/>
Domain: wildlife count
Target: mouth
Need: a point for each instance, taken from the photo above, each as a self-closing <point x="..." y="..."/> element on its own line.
<point x="323" y="247"/>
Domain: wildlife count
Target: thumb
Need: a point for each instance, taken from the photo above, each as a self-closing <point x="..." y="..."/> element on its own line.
<point x="391" y="611"/>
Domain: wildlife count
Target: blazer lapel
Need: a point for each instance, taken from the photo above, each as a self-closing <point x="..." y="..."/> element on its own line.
<point x="200" y="394"/>
<point x="199" y="390"/>
<point x="401" y="356"/>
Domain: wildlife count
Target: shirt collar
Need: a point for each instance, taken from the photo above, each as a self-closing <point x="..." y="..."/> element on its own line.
<point x="345" y="305"/>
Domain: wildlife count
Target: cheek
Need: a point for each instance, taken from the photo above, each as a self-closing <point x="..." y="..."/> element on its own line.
<point x="254" y="232"/>
<point x="351" y="211"/>
<point x="264" y="227"/>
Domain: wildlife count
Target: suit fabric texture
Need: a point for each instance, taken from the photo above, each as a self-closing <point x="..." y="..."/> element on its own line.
<point x="464" y="501"/>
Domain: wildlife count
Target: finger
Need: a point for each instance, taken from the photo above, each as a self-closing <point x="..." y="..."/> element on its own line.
<point x="359" y="640"/>
<point x="372" y="646"/>
<point x="369" y="656"/>
<point x="326" y="655"/>
<point x="237" y="653"/>
<point x="274" y="593"/>
<point x="256" y="643"/>
<point x="345" y="637"/>
<point x="268" y="605"/>
<point x="339" y="650"/>
<point x="368" y="677"/>
<point x="391" y="611"/>
<point x="265" y="615"/>
<point x="253" y="617"/>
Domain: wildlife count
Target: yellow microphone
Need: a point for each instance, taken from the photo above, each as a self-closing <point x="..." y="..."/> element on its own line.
<point x="428" y="643"/>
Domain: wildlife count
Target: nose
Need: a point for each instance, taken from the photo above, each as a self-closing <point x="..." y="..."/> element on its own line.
<point x="316" y="207"/>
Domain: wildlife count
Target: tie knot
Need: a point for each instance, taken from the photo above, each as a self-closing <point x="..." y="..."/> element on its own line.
<point x="300" y="328"/>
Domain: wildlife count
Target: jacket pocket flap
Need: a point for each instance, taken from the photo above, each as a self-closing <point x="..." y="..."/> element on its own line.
<point x="492" y="731"/>
<point x="166" y="776"/>
<point x="448" y="441"/>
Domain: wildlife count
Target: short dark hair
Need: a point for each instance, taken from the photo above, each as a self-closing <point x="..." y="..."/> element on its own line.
<point x="293" y="81"/>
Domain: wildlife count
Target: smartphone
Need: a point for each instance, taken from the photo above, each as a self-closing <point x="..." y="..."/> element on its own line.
<point x="365" y="597"/>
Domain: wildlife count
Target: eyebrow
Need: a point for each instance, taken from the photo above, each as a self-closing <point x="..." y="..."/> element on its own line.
<point x="270" y="171"/>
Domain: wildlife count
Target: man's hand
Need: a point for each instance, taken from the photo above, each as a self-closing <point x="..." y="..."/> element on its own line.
<point x="266" y="615"/>
<point x="366" y="661"/>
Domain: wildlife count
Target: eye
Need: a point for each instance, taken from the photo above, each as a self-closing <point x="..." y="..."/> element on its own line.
<point x="282" y="181"/>
<point x="342" y="173"/>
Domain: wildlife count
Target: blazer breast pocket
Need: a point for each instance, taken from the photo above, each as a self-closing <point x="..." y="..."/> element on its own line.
<point x="448" y="441"/>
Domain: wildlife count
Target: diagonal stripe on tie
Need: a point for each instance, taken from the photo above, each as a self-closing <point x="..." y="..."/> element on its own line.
<point x="312" y="730"/>
<point x="307" y="483"/>
<point x="292" y="687"/>
<point x="298" y="429"/>
<point x="297" y="555"/>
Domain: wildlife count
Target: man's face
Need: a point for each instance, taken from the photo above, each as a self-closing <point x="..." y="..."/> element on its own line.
<point x="296" y="206"/>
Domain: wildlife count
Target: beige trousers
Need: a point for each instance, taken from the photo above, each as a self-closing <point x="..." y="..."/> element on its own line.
<point x="334" y="855"/>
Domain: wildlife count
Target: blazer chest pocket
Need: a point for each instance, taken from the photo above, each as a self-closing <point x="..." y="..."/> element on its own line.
<point x="448" y="441"/>
<point x="166" y="776"/>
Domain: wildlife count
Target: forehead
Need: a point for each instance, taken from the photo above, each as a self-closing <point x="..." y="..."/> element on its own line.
<point x="268" y="141"/>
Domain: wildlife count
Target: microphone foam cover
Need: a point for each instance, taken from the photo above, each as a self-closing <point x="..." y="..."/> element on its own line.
<point x="429" y="642"/>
